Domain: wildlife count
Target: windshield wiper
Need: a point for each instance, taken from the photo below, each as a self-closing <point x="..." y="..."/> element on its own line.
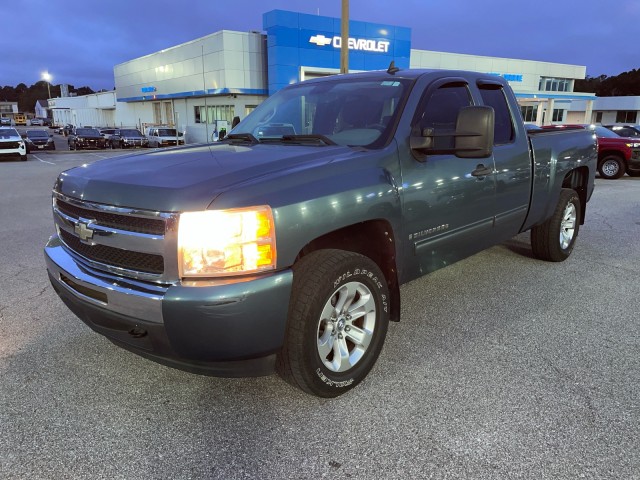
<point x="241" y="138"/>
<point x="300" y="139"/>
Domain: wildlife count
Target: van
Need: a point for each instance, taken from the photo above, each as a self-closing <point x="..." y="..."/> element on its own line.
<point x="164" y="137"/>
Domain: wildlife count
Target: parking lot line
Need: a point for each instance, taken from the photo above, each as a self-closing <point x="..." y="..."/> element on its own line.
<point x="41" y="160"/>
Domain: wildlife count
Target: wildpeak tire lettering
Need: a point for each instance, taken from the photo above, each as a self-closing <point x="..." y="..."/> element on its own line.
<point x="357" y="271"/>
<point x="332" y="383"/>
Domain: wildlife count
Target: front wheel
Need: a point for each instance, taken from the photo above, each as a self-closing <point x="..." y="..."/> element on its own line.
<point x="611" y="167"/>
<point x="554" y="239"/>
<point x="338" y="319"/>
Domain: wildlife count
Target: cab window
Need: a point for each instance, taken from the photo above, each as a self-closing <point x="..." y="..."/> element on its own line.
<point x="493" y="96"/>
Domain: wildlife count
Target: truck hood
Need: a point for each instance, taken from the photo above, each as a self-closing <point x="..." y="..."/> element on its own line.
<point x="186" y="178"/>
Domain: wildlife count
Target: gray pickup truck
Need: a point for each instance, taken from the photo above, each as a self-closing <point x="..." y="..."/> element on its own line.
<point x="283" y="247"/>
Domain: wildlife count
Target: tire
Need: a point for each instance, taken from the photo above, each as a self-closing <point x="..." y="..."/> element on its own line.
<point x="327" y="353"/>
<point x="23" y="158"/>
<point x="554" y="239"/>
<point x="611" y="167"/>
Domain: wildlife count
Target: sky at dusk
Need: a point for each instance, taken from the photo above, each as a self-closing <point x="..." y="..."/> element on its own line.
<point x="80" y="42"/>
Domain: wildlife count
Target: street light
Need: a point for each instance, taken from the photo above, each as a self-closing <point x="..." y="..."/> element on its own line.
<point x="46" y="76"/>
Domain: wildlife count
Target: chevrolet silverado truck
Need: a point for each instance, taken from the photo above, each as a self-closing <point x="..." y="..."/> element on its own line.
<point x="283" y="247"/>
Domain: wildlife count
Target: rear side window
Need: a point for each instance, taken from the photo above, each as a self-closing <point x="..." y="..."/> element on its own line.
<point x="493" y="96"/>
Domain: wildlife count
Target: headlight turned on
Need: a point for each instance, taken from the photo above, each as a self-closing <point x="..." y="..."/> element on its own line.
<point x="216" y="243"/>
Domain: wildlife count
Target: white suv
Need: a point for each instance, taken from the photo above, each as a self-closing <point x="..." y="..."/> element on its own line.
<point x="12" y="144"/>
<point x="164" y="137"/>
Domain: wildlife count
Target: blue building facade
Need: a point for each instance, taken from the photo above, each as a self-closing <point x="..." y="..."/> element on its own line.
<point x="297" y="41"/>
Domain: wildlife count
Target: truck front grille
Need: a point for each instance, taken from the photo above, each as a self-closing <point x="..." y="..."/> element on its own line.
<point x="131" y="243"/>
<point x="134" y="224"/>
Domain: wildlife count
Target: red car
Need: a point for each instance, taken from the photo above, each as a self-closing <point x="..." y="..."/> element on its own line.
<point x="616" y="154"/>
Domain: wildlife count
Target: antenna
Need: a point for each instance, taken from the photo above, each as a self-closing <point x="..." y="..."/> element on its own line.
<point x="392" y="68"/>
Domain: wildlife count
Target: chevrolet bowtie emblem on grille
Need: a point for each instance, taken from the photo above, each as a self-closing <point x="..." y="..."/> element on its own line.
<point x="83" y="231"/>
<point x="320" y="40"/>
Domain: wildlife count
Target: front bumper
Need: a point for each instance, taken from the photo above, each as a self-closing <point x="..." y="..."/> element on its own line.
<point x="90" y="144"/>
<point x="40" y="146"/>
<point x="222" y="328"/>
<point x="12" y="149"/>
<point x="134" y="142"/>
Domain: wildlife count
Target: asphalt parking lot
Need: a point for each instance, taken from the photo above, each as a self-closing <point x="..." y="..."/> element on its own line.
<point x="503" y="366"/>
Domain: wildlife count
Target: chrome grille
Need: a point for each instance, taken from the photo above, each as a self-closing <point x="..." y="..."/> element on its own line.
<point x="141" y="262"/>
<point x="131" y="243"/>
<point x="134" y="224"/>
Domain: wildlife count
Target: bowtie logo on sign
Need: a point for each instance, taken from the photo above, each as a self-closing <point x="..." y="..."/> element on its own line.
<point x="363" y="44"/>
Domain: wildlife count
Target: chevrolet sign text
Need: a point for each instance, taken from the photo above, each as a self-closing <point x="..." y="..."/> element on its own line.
<point x="381" y="46"/>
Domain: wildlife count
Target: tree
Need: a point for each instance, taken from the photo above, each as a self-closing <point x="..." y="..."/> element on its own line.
<point x="27" y="96"/>
<point x="627" y="83"/>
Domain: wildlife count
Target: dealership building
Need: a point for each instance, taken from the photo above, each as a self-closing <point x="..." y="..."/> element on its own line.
<point x="199" y="86"/>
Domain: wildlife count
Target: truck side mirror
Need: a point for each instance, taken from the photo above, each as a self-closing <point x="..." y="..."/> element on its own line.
<point x="475" y="132"/>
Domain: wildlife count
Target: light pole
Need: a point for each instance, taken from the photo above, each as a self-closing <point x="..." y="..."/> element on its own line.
<point x="46" y="76"/>
<point x="344" y="33"/>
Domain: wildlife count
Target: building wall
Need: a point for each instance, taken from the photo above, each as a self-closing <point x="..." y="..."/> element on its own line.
<point x="607" y="110"/>
<point x="7" y="109"/>
<point x="40" y="110"/>
<point x="523" y="75"/>
<point x="96" y="110"/>
<point x="219" y="64"/>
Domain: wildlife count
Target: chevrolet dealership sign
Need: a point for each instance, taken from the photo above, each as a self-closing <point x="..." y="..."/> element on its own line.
<point x="362" y="44"/>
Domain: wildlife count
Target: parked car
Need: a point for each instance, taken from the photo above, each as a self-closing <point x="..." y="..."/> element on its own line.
<point x="86" y="138"/>
<point x="629" y="131"/>
<point x="36" y="122"/>
<point x="107" y="133"/>
<point x="12" y="144"/>
<point x="128" y="138"/>
<point x="616" y="154"/>
<point x="38" y="140"/>
<point x="5" y="121"/>
<point x="164" y="137"/>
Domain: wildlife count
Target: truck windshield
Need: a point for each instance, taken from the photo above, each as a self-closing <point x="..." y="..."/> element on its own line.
<point x="354" y="112"/>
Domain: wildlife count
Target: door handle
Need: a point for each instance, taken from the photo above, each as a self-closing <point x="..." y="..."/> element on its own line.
<point x="482" y="171"/>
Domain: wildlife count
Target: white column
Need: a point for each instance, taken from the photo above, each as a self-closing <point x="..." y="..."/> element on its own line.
<point x="588" y="112"/>
<point x="539" y="111"/>
<point x="549" y="117"/>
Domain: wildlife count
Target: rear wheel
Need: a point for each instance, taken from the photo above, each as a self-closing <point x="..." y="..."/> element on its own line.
<point x="611" y="167"/>
<point x="555" y="238"/>
<point x="338" y="319"/>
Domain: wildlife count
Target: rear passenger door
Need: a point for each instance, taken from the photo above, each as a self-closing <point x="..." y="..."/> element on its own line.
<point x="511" y="159"/>
<point x="448" y="202"/>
